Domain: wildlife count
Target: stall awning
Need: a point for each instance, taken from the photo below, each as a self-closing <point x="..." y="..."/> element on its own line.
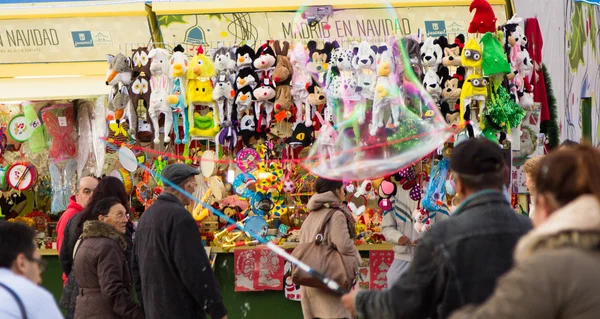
<point x="60" y="52"/>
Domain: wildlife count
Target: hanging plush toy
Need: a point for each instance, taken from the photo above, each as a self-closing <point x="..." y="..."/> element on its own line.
<point x="179" y="63"/>
<point x="224" y="62"/>
<point x="340" y="84"/>
<point x="119" y="70"/>
<point x="364" y="63"/>
<point x="471" y="55"/>
<point x="244" y="101"/>
<point x="244" y="56"/>
<point x="159" y="105"/>
<point x="199" y="93"/>
<point x="282" y="76"/>
<point x="301" y="136"/>
<point x="452" y="85"/>
<point x="248" y="130"/>
<point x="452" y="117"/>
<point x="301" y="80"/>
<point x="495" y="61"/>
<point x="431" y="53"/>
<point x="318" y="62"/>
<point x="386" y="91"/>
<point x="432" y="83"/>
<point x="326" y="140"/>
<point x="264" y="96"/>
<point x="452" y="51"/>
<point x="223" y="93"/>
<point x="316" y="100"/>
<point x="140" y="86"/>
<point x="179" y="108"/>
<point x="484" y="19"/>
<point x="474" y="88"/>
<point x="123" y="109"/>
<point x="264" y="62"/>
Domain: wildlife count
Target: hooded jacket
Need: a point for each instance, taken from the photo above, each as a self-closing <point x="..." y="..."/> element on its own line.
<point x="318" y="303"/>
<point x="103" y="275"/>
<point x="556" y="272"/>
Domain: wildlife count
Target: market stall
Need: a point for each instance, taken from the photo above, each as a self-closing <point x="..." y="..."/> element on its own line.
<point x="262" y="100"/>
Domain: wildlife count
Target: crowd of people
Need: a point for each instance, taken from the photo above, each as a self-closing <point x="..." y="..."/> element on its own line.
<point x="485" y="261"/>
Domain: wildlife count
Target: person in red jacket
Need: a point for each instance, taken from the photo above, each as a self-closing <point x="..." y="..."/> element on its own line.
<point x="78" y="202"/>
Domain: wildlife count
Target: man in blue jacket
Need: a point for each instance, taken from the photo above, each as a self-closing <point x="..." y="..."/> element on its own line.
<point x="458" y="261"/>
<point x="170" y="265"/>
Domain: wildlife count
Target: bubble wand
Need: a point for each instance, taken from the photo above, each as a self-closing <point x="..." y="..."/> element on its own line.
<point x="329" y="283"/>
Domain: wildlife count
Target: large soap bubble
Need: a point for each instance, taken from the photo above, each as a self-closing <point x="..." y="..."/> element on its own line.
<point x="378" y="118"/>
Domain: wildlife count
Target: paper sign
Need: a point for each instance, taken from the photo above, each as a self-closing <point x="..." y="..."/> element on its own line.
<point x="268" y="271"/>
<point x="280" y="116"/>
<point x="245" y="262"/>
<point x="62" y="121"/>
<point x="380" y="262"/>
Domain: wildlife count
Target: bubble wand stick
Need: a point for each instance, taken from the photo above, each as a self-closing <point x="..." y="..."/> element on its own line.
<point x="329" y="283"/>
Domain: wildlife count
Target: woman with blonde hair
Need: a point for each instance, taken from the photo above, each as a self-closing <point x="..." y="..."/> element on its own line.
<point x="556" y="265"/>
<point x="530" y="168"/>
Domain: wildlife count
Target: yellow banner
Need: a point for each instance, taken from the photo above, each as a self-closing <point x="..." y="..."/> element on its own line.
<point x="343" y="25"/>
<point x="69" y="39"/>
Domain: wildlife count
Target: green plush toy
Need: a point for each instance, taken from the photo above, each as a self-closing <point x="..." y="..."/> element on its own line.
<point x="494" y="58"/>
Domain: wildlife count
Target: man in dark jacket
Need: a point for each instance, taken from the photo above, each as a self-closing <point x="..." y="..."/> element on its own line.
<point x="458" y="261"/>
<point x="170" y="265"/>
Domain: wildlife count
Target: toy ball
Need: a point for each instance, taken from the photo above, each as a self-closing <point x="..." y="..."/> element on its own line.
<point x="288" y="187"/>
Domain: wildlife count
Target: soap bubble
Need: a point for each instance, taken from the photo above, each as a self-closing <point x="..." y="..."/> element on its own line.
<point x="363" y="73"/>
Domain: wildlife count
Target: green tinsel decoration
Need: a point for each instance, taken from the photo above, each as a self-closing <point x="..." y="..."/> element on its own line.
<point x="406" y="135"/>
<point x="550" y="128"/>
<point x="503" y="111"/>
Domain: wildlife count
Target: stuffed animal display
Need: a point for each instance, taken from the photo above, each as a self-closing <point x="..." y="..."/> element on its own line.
<point x="310" y="91"/>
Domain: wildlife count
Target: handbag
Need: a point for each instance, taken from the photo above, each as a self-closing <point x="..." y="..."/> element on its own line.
<point x="323" y="257"/>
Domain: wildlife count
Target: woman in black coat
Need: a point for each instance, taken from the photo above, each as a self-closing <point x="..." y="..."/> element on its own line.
<point x="109" y="186"/>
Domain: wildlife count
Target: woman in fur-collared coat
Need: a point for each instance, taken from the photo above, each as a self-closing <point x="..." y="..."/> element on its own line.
<point x="100" y="266"/>
<point x="556" y="273"/>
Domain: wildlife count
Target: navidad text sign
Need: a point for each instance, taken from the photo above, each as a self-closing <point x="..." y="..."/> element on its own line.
<point x="343" y="25"/>
<point x="69" y="39"/>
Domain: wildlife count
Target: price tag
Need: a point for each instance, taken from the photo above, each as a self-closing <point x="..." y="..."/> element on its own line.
<point x="35" y="124"/>
<point x="266" y="81"/>
<point x="280" y="116"/>
<point x="62" y="121"/>
<point x="222" y="78"/>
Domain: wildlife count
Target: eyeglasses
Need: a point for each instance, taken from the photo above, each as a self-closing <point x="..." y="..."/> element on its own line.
<point x="41" y="263"/>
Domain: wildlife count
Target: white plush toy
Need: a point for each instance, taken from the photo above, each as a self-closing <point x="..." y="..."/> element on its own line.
<point x="385" y="90"/>
<point x="160" y="61"/>
<point x="432" y="84"/>
<point x="179" y="64"/>
<point x="364" y="63"/>
<point x="158" y="105"/>
<point x="431" y="53"/>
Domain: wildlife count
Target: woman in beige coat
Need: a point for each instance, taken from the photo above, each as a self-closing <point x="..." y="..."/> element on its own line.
<point x="317" y="303"/>
<point x="556" y="265"/>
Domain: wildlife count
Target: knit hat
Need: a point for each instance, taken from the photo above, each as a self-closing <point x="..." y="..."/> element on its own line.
<point x="476" y="157"/>
<point x="494" y="58"/>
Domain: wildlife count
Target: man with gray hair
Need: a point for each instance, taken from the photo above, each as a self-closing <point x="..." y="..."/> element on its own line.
<point x="172" y="274"/>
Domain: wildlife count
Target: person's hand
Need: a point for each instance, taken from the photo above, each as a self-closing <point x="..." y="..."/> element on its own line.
<point x="348" y="301"/>
<point x="402" y="241"/>
<point x="414" y="243"/>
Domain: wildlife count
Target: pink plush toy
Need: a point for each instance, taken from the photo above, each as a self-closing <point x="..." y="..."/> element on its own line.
<point x="326" y="139"/>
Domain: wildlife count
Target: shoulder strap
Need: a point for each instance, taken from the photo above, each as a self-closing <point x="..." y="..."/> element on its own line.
<point x="325" y="222"/>
<point x="17" y="299"/>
